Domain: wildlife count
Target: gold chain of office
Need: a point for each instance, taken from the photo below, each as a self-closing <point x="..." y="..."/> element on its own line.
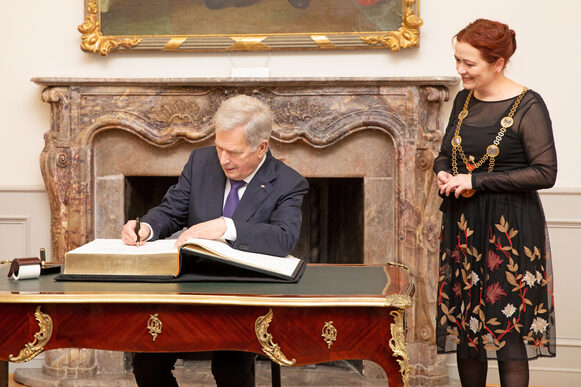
<point x="492" y="150"/>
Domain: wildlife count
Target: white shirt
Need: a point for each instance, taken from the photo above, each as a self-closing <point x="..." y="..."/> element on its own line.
<point x="230" y="233"/>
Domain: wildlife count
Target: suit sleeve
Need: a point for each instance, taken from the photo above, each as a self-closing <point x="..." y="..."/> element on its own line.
<point x="278" y="234"/>
<point x="172" y="213"/>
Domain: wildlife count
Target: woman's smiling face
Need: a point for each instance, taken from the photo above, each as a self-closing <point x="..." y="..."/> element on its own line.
<point x="476" y="73"/>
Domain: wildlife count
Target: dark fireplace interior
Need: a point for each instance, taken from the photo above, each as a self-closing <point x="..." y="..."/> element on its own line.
<point x="332" y="228"/>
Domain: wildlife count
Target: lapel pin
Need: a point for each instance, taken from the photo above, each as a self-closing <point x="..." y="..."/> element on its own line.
<point x="262" y="186"/>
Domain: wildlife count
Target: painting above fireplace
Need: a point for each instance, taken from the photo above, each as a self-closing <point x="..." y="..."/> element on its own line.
<point x="248" y="25"/>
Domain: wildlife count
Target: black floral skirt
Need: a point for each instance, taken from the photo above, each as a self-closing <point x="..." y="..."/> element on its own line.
<point x="495" y="288"/>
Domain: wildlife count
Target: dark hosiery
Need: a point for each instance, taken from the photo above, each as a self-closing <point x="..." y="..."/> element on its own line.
<point x="514" y="373"/>
<point x="472" y="372"/>
<point x="513" y="365"/>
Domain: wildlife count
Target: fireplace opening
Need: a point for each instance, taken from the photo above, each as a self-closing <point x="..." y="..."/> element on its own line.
<point x="332" y="228"/>
<point x="145" y="192"/>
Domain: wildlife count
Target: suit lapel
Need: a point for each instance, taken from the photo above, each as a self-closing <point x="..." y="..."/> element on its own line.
<point x="213" y="189"/>
<point x="257" y="190"/>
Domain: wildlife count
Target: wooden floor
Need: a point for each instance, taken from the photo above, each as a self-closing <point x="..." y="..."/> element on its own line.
<point x="12" y="383"/>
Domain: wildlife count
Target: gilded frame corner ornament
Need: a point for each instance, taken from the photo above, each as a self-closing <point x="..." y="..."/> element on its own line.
<point x="397" y="344"/>
<point x="270" y="349"/>
<point x="41" y="338"/>
<point x="94" y="41"/>
<point x="407" y="35"/>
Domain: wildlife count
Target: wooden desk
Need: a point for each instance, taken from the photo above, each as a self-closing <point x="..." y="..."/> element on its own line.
<point x="335" y="312"/>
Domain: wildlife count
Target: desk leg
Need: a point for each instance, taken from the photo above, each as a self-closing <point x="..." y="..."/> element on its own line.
<point x="3" y="373"/>
<point x="397" y="344"/>
<point x="275" y="374"/>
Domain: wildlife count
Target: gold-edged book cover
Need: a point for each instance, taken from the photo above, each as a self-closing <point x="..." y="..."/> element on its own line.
<point x="113" y="257"/>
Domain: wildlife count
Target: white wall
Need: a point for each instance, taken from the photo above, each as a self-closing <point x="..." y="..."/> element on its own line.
<point x="40" y="38"/>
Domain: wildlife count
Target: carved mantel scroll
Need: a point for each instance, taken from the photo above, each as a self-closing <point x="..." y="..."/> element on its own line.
<point x="314" y="118"/>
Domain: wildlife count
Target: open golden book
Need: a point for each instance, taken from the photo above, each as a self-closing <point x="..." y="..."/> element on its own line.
<point x="200" y="259"/>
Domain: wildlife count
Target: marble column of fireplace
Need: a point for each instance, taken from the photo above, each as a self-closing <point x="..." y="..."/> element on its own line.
<point x="385" y="131"/>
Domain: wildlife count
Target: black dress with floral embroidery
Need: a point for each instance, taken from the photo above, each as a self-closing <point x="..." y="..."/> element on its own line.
<point x="495" y="287"/>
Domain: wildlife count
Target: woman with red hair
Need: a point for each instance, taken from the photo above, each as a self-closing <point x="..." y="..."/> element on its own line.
<point x="495" y="288"/>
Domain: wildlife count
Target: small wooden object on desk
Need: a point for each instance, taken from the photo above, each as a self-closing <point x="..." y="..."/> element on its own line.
<point x="48" y="268"/>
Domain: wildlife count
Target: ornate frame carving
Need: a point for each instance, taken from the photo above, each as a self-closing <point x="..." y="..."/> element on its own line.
<point x="269" y="347"/>
<point x="407" y="35"/>
<point x="41" y="339"/>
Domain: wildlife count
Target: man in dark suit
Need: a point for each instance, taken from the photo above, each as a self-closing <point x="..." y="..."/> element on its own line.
<point x="239" y="172"/>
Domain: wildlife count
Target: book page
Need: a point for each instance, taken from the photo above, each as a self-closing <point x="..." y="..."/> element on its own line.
<point x="117" y="247"/>
<point x="281" y="265"/>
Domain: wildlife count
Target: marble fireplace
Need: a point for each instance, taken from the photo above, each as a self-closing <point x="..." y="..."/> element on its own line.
<point x="381" y="133"/>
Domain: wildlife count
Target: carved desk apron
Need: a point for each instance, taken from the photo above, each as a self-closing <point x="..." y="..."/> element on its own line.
<point x="334" y="312"/>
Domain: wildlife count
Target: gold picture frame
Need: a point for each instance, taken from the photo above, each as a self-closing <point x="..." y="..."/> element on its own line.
<point x="248" y="25"/>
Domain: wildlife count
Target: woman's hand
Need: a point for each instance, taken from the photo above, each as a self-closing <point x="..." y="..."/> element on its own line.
<point x="443" y="178"/>
<point x="454" y="184"/>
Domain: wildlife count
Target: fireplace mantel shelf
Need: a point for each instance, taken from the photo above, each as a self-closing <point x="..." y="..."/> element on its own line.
<point x="287" y="81"/>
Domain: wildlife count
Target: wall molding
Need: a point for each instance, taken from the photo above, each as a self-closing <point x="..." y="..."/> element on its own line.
<point x="492" y="364"/>
<point x="563" y="223"/>
<point x="561" y="191"/>
<point x="564" y="204"/>
<point x="23" y="223"/>
<point x="453" y="368"/>
<point x="22" y="188"/>
<point x="569" y="342"/>
<point x="562" y="342"/>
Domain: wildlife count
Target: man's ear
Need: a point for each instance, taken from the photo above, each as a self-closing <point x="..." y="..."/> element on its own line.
<point x="262" y="148"/>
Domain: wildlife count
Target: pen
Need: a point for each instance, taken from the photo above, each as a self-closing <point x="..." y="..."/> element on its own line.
<point x="137" y="227"/>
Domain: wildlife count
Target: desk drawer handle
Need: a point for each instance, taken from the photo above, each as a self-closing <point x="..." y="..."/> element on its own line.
<point x="41" y="338"/>
<point x="329" y="333"/>
<point x="154" y="326"/>
<point x="271" y="349"/>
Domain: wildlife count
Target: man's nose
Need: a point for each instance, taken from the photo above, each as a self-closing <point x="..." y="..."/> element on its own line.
<point x="224" y="158"/>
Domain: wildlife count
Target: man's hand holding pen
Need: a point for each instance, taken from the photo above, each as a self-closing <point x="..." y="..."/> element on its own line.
<point x="137" y="227"/>
<point x="135" y="235"/>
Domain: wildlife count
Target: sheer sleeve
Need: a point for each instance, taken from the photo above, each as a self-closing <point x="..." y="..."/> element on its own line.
<point x="442" y="162"/>
<point x="536" y="133"/>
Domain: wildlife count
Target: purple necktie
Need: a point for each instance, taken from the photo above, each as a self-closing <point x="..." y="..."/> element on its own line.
<point x="232" y="199"/>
